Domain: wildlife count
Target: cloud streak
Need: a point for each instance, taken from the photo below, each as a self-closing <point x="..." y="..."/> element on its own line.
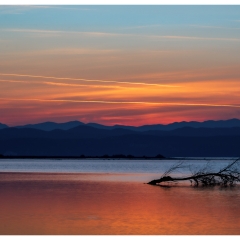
<point x="65" y="32"/>
<point x="20" y="9"/>
<point x="214" y="27"/>
<point x="88" y="80"/>
<point x="74" y="51"/>
<point x="177" y="37"/>
<point x="124" y="102"/>
<point x="103" y="34"/>
<point x="59" y="84"/>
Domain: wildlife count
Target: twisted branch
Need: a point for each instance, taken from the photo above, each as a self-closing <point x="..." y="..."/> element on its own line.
<point x="227" y="176"/>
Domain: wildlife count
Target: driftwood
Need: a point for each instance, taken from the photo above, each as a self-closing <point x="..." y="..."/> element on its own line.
<point x="227" y="176"/>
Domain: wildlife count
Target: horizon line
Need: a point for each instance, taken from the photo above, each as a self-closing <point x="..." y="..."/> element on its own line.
<point x="86" y="123"/>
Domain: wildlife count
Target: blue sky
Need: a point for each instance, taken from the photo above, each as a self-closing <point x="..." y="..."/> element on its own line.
<point x="92" y="18"/>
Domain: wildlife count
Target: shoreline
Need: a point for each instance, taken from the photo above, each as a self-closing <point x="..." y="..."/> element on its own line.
<point x="114" y="158"/>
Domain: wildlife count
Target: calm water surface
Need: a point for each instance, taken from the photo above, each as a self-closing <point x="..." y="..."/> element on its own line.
<point x="110" y="197"/>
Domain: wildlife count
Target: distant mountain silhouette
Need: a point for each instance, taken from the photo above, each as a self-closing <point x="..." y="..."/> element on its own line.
<point x="2" y="126"/>
<point x="73" y="133"/>
<point x="91" y="141"/>
<point x="86" y="132"/>
<point x="49" y="126"/>
<point x="197" y="132"/>
<point x="206" y="124"/>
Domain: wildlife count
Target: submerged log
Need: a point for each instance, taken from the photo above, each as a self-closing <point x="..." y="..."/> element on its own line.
<point x="227" y="176"/>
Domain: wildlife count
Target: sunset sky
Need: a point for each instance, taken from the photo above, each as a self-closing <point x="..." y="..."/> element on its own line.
<point x="130" y="65"/>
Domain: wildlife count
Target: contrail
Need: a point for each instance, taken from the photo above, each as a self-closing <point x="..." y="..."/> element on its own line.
<point x="58" y="83"/>
<point x="14" y="81"/>
<point x="124" y="102"/>
<point x="88" y="80"/>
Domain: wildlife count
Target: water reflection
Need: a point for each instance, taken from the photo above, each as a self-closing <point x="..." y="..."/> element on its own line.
<point x="63" y="204"/>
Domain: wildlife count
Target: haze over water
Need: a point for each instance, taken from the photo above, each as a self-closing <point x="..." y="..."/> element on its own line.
<point x="98" y="197"/>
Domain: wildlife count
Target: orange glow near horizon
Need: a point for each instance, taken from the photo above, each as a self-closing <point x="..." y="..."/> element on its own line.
<point x="114" y="102"/>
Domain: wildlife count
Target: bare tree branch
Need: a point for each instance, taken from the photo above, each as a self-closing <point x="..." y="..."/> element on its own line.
<point x="227" y="176"/>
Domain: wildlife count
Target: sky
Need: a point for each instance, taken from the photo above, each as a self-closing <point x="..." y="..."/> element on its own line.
<point x="123" y="64"/>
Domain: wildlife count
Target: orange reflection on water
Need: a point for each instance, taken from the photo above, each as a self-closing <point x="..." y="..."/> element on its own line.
<point x="78" y="206"/>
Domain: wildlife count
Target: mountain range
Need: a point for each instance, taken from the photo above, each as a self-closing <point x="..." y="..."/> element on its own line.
<point x="49" y="126"/>
<point x="183" y="139"/>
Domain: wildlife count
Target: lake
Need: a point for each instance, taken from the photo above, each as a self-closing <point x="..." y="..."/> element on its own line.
<point x="96" y="197"/>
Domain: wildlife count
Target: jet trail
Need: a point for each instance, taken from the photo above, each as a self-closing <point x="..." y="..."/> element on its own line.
<point x="57" y="83"/>
<point x="88" y="80"/>
<point x="124" y="102"/>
